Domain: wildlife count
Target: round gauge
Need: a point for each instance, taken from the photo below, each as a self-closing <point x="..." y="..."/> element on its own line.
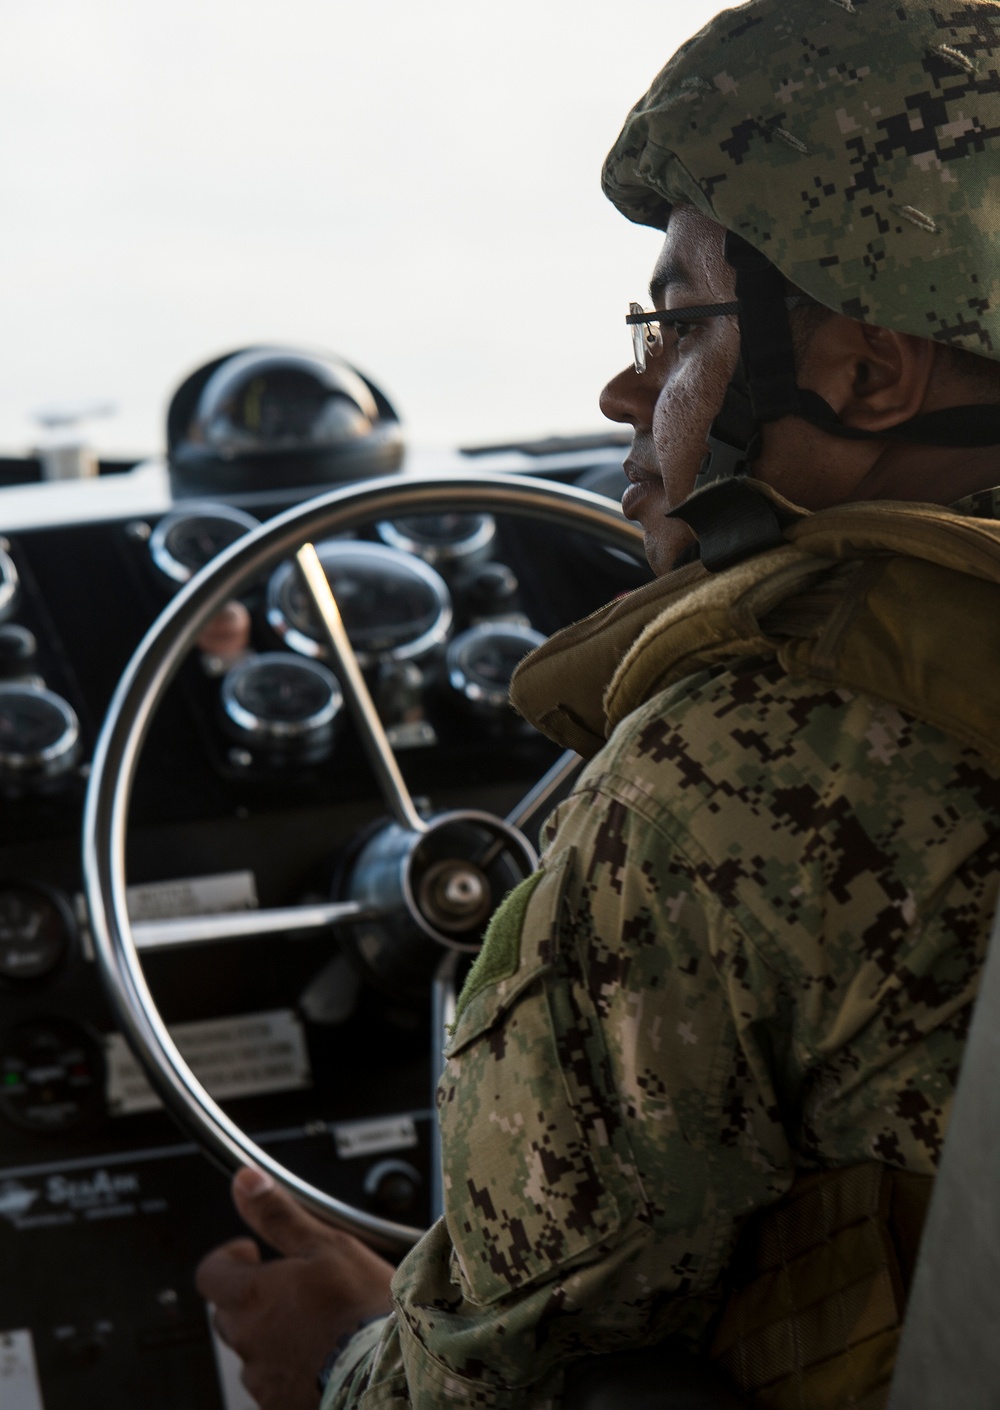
<point x="39" y="732"/>
<point x="18" y="650"/>
<point x="440" y="538"/>
<point x="394" y="606"/>
<point x="51" y="1075"/>
<point x="8" y="583"/>
<point x="481" y="661"/>
<point x="277" y="698"/>
<point x="35" y="930"/>
<point x="184" y="541"/>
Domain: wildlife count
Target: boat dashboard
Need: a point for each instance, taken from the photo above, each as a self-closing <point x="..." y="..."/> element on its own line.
<point x="252" y="793"/>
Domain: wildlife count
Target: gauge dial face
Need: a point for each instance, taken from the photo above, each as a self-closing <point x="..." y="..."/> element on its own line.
<point x="8" y="584"/>
<point x="439" y="538"/>
<point x="481" y="660"/>
<point x="276" y="696"/>
<point x="35" y="932"/>
<point x="51" y="1075"/>
<point x="183" y="542"/>
<point x="39" y="732"/>
<point x="393" y="605"/>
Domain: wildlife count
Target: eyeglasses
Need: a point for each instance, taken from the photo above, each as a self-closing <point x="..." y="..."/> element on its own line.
<point x="647" y="324"/>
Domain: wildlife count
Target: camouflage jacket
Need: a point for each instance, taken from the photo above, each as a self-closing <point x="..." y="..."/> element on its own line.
<point x="750" y="948"/>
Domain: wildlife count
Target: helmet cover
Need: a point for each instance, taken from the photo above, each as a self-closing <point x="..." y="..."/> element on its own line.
<point x="856" y="143"/>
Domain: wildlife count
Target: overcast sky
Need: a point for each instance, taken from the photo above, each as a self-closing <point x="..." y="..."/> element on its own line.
<point x="411" y="183"/>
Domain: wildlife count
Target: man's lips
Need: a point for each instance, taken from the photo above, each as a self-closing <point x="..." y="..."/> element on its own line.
<point x="646" y="480"/>
<point x="637" y="472"/>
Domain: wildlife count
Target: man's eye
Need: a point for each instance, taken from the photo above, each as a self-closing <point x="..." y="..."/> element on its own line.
<point x="678" y="328"/>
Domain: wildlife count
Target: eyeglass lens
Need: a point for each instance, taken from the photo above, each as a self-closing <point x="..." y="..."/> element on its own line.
<point x="646" y="338"/>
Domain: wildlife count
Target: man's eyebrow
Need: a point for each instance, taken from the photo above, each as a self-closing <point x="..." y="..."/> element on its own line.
<point x="663" y="276"/>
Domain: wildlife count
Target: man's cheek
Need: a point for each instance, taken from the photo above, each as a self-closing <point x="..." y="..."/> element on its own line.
<point x="679" y="435"/>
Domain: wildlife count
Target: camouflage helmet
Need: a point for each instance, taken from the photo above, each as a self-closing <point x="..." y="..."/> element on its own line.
<point x="856" y="143"/>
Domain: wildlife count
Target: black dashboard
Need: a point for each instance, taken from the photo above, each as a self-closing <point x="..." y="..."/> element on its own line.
<point x="252" y="790"/>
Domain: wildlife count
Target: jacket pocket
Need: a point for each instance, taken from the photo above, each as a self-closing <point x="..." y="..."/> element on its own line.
<point x="531" y="1181"/>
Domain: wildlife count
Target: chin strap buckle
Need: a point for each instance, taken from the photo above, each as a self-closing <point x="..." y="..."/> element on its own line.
<point x="723" y="461"/>
<point x="733" y="521"/>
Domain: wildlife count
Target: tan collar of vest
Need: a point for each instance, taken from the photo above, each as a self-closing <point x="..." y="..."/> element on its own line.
<point x="585" y="679"/>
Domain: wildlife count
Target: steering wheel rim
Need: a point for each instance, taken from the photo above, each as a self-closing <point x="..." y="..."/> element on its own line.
<point x="141" y="688"/>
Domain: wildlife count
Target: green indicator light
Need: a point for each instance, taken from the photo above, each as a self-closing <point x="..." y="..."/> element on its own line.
<point x="12" y="1079"/>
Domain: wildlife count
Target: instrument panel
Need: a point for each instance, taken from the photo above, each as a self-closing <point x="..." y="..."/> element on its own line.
<point x="252" y="792"/>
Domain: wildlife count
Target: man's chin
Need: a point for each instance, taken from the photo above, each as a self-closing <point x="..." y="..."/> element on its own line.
<point x="668" y="544"/>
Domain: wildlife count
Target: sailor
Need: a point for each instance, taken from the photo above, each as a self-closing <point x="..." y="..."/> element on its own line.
<point x="701" y="1073"/>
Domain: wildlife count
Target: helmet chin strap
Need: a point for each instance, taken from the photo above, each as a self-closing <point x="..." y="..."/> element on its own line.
<point x="731" y="519"/>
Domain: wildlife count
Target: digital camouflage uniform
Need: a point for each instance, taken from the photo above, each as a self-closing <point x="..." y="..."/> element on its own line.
<point x="757" y="926"/>
<point x="750" y="949"/>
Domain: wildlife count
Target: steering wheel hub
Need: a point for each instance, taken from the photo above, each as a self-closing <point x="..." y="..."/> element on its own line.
<point x="454" y="895"/>
<point x="420" y="892"/>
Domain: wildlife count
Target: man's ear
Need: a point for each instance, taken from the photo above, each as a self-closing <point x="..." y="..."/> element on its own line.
<point x="873" y="378"/>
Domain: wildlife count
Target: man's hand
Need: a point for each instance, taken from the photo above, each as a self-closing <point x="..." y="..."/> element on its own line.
<point x="284" y="1317"/>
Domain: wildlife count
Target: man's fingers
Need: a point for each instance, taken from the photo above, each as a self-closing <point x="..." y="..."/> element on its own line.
<point x="226" y="1275"/>
<point x="241" y="1250"/>
<point x="275" y="1216"/>
<point x="239" y="1332"/>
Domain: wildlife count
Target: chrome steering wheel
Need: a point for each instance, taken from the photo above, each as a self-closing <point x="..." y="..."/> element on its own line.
<point x="388" y="881"/>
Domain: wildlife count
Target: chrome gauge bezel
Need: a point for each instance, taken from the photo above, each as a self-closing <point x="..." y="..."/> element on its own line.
<point x="437" y="554"/>
<point x="421" y="645"/>
<point x="51" y="897"/>
<point x="74" y="1037"/>
<point x="262" y="730"/>
<point x="55" y="756"/>
<point x="9" y="584"/>
<point x="159" y="549"/>
<point x="475" y="691"/>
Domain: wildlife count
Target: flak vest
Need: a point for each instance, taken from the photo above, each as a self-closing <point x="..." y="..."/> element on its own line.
<point x="899" y="601"/>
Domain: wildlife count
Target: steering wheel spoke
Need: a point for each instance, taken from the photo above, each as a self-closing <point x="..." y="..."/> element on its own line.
<point x="359" y="700"/>
<point x="180" y="931"/>
<point x="551" y="788"/>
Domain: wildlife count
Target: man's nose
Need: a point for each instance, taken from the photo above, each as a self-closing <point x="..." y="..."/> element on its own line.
<point x="631" y="397"/>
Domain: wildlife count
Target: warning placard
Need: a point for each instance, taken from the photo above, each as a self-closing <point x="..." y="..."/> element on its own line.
<point x="231" y="1057"/>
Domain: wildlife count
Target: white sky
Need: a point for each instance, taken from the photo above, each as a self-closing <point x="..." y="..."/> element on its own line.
<point x="411" y="183"/>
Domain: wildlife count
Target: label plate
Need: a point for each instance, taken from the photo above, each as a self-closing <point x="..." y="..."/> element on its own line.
<point x="243" y="1056"/>
<point x="382" y="1133"/>
<point x="193" y="896"/>
<point x="19" y="1388"/>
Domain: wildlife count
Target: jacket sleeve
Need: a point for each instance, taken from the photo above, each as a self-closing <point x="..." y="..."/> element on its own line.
<point x="608" y="1117"/>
